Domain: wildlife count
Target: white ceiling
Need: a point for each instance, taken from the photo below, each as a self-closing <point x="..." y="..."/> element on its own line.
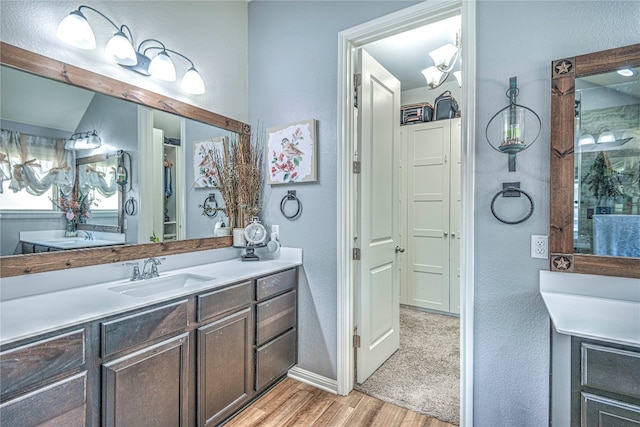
<point x="37" y="101"/>
<point x="406" y="54"/>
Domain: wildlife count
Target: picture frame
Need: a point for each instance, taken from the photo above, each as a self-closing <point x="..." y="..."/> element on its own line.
<point x="203" y="160"/>
<point x="291" y="153"/>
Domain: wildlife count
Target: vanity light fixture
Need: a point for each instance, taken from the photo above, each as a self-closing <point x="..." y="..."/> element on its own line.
<point x="83" y="141"/>
<point x="76" y="31"/>
<point x="444" y="58"/>
<point x="627" y="72"/>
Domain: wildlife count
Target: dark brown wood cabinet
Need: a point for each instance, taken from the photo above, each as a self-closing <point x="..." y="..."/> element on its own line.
<point x="606" y="384"/>
<point x="192" y="361"/>
<point x="225" y="365"/>
<point x="44" y="382"/>
<point x="148" y="387"/>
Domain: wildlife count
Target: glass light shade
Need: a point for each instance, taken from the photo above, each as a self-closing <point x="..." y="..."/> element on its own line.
<point x="88" y="142"/>
<point x="586" y="139"/>
<point x="606" y="137"/>
<point x="162" y="67"/>
<point x="75" y="31"/>
<point x="458" y="76"/>
<point x="432" y="75"/>
<point x="119" y="49"/>
<point x="192" y="82"/>
<point x="513" y="127"/>
<point x="626" y="72"/>
<point x="442" y="56"/>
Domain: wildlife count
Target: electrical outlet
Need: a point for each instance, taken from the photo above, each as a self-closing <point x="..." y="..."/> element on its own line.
<point x="540" y="247"/>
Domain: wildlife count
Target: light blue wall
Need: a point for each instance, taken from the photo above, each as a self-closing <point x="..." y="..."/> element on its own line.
<point x="293" y="58"/>
<point x="293" y="76"/>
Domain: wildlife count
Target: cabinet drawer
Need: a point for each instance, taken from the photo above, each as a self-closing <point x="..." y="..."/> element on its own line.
<point x="138" y="328"/>
<point x="611" y="369"/>
<point x="63" y="403"/>
<point x="30" y="364"/>
<point x="600" y="411"/>
<point x="275" y="316"/>
<point x="223" y="301"/>
<point x="276" y="283"/>
<point x="274" y="359"/>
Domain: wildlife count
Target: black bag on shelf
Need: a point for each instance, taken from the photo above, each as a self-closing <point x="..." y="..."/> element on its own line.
<point x="446" y="106"/>
<point x="416" y="113"/>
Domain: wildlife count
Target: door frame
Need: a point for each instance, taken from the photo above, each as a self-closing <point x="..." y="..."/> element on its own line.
<point x="404" y="20"/>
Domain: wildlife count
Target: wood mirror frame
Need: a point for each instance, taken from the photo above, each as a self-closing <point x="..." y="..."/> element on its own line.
<point x="563" y="75"/>
<point x="15" y="265"/>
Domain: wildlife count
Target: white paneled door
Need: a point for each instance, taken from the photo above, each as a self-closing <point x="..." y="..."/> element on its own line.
<point x="378" y="311"/>
<point x="433" y="215"/>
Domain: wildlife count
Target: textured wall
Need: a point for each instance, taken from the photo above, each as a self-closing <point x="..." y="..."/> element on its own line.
<point x="213" y="34"/>
<point x="293" y="52"/>
<point x="511" y="324"/>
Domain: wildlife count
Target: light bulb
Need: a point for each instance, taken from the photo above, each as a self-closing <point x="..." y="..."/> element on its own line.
<point x="75" y="31"/>
<point x="161" y="67"/>
<point x="192" y="82"/>
<point x="119" y="49"/>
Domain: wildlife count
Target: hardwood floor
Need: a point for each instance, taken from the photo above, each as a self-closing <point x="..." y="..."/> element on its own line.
<point x="292" y="403"/>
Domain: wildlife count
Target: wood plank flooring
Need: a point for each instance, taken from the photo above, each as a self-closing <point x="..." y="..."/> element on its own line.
<point x="292" y="403"/>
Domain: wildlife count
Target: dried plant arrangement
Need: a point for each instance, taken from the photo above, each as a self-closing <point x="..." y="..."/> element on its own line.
<point x="247" y="160"/>
<point x="224" y="178"/>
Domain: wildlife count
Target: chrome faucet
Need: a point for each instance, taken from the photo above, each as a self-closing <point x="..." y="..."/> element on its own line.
<point x="88" y="235"/>
<point x="135" y="275"/>
<point x="153" y="271"/>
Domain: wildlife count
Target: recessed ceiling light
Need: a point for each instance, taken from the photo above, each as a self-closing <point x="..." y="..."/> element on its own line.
<point x="627" y="72"/>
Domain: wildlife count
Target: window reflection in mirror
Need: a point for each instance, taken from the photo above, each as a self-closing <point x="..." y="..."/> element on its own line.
<point x="97" y="185"/>
<point x="607" y="164"/>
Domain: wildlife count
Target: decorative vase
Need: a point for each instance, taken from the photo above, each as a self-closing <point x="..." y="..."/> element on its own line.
<point x="238" y="237"/>
<point x="71" y="230"/>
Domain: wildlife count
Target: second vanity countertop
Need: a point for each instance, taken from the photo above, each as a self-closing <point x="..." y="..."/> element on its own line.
<point x="25" y="317"/>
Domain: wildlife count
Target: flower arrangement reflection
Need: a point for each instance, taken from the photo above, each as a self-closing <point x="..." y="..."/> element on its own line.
<point x="75" y="211"/>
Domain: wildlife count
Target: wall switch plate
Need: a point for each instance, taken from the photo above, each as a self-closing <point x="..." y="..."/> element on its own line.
<point x="540" y="247"/>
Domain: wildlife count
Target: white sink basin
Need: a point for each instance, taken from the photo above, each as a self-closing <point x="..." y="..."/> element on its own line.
<point x="159" y="285"/>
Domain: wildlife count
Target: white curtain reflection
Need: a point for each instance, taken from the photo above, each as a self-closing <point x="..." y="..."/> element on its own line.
<point x="34" y="163"/>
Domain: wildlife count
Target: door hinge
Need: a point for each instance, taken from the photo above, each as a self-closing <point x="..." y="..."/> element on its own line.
<point x="356" y="254"/>
<point x="356" y="341"/>
<point x="357" y="80"/>
<point x="357" y="166"/>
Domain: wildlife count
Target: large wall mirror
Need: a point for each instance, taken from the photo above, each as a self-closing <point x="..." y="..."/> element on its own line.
<point x="595" y="163"/>
<point x="132" y="201"/>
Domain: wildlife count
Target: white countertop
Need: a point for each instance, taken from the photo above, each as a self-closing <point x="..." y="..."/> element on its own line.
<point x="33" y="315"/>
<point x="56" y="239"/>
<point x="590" y="306"/>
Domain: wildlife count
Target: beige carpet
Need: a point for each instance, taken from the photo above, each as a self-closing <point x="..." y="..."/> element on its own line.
<point x="424" y="374"/>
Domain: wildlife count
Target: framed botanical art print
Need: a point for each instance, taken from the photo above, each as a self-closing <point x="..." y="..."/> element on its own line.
<point x="204" y="166"/>
<point x="291" y="153"/>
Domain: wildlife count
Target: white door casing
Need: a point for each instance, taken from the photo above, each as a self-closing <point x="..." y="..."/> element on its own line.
<point x="455" y="210"/>
<point x="378" y="320"/>
<point x="414" y="16"/>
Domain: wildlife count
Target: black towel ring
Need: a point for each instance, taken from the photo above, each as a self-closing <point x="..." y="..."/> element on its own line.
<point x="291" y="195"/>
<point x="130" y="206"/>
<point x="504" y="191"/>
<point x="207" y="209"/>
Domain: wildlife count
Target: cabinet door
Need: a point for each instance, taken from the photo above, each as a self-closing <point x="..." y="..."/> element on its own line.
<point x="225" y="366"/>
<point x="148" y="387"/>
<point x="598" y="411"/>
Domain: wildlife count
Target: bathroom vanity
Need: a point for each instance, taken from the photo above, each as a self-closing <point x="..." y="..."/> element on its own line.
<point x="191" y="347"/>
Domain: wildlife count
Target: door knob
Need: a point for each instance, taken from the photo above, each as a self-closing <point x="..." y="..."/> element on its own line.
<point x="453" y="234"/>
<point x="399" y="249"/>
<point x="446" y="234"/>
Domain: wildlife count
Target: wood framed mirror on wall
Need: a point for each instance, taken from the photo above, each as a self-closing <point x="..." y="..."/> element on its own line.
<point x="30" y="62"/>
<point x="595" y="163"/>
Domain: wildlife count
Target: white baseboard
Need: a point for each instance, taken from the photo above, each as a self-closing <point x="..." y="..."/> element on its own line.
<point x="315" y="380"/>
